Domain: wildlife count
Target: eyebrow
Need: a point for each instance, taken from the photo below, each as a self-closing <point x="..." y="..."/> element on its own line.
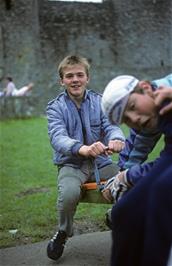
<point x="71" y="73"/>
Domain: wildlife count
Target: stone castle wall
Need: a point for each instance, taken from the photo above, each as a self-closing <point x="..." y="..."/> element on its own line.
<point x="118" y="37"/>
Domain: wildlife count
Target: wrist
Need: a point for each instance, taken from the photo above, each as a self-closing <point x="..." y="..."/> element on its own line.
<point x="83" y="150"/>
<point x="125" y="178"/>
<point x="75" y="149"/>
<point x="122" y="177"/>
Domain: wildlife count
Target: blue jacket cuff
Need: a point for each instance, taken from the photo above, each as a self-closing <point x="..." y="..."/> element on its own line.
<point x="75" y="148"/>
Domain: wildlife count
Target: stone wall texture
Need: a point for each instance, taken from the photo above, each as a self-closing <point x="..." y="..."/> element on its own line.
<point x="18" y="107"/>
<point x="117" y="36"/>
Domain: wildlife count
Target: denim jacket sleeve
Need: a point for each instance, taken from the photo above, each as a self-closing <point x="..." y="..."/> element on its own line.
<point x="57" y="130"/>
<point x="138" y="171"/>
<point x="137" y="148"/>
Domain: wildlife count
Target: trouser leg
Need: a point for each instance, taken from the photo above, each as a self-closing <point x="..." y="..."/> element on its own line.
<point x="69" y="193"/>
<point x="108" y="171"/>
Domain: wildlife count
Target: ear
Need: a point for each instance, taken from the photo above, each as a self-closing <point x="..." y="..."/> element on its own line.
<point x="88" y="79"/>
<point x="61" y="82"/>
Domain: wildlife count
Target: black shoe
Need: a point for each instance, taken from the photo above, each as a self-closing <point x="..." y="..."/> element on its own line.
<point x="56" y="245"/>
<point x="108" y="219"/>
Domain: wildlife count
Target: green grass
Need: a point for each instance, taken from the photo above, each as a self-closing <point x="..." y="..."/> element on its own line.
<point x="28" y="184"/>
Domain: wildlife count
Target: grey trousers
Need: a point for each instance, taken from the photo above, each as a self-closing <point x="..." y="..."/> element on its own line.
<point x="69" y="191"/>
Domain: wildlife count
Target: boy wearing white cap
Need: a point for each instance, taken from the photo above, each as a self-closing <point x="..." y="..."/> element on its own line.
<point x="119" y="104"/>
<point x="141" y="221"/>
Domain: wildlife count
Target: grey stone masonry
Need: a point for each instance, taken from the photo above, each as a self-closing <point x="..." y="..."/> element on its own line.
<point x="118" y="37"/>
<point x="18" y="107"/>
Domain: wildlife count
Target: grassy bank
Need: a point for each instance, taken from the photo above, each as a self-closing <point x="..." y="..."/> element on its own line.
<point x="28" y="185"/>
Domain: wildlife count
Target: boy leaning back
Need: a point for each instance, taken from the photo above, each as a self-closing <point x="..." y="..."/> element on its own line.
<point x="79" y="134"/>
<point x="139" y="143"/>
<point x="142" y="219"/>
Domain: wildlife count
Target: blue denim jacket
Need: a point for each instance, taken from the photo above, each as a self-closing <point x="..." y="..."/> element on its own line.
<point x="69" y="128"/>
<point x="139" y="145"/>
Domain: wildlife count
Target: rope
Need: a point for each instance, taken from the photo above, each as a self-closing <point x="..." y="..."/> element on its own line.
<point x="97" y="176"/>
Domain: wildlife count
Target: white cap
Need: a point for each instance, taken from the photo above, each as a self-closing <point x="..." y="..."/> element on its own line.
<point x="115" y="97"/>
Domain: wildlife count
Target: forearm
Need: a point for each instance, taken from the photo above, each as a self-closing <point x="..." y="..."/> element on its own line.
<point x="137" y="172"/>
<point x="137" y="148"/>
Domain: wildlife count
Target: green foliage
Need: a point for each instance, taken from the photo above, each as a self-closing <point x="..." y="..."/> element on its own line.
<point x="28" y="184"/>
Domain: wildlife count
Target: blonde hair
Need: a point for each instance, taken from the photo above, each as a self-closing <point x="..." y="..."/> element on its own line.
<point x="73" y="60"/>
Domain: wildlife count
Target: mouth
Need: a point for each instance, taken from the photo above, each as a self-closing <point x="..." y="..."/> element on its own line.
<point x="145" y="124"/>
<point x="149" y="124"/>
<point x="75" y="85"/>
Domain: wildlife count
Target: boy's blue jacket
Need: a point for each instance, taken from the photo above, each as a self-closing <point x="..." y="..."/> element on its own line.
<point x="139" y="145"/>
<point x="66" y="129"/>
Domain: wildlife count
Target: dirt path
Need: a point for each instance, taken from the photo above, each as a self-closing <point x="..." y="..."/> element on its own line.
<point x="92" y="249"/>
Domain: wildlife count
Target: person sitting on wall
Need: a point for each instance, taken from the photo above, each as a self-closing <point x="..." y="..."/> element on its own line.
<point x="11" y="89"/>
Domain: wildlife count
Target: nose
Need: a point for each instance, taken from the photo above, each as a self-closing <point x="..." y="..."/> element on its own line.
<point x="75" y="78"/>
<point x="132" y="119"/>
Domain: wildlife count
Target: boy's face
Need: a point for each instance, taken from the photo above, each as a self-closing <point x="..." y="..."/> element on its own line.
<point x="75" y="80"/>
<point x="141" y="112"/>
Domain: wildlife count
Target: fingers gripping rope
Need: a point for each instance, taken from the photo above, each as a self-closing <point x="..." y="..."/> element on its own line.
<point x="116" y="187"/>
